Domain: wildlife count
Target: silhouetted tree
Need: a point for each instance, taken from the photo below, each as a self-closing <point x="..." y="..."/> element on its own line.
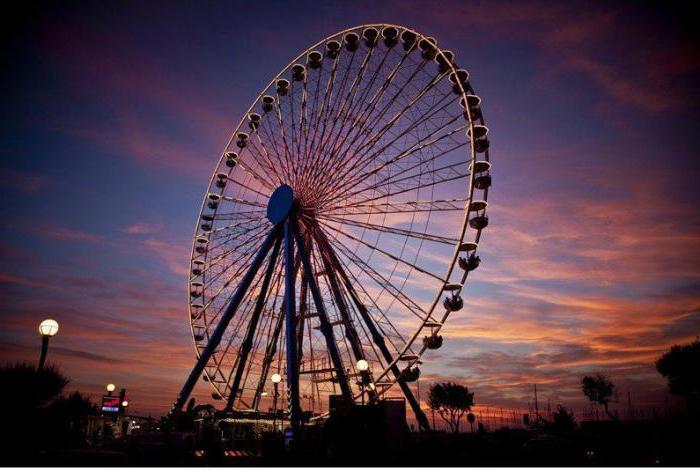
<point x="471" y="418"/>
<point x="66" y="418"/>
<point x="27" y="388"/>
<point x="681" y="365"/>
<point x="563" y="420"/>
<point x="598" y="388"/>
<point x="451" y="401"/>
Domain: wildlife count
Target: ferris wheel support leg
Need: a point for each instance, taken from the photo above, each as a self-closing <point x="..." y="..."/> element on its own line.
<point x="247" y="343"/>
<point x="215" y="338"/>
<point x="376" y="335"/>
<point x="345" y="315"/>
<point x="290" y="317"/>
<point x="326" y="328"/>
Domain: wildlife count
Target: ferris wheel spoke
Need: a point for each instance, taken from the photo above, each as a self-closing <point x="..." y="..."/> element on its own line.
<point x="322" y="111"/>
<point x="255" y="214"/>
<point x="315" y="95"/>
<point x="353" y="108"/>
<point x="381" y="322"/>
<point x="390" y="187"/>
<point x="259" y="178"/>
<point x="239" y="265"/>
<point x="231" y="199"/>
<point x="328" y="134"/>
<point x="406" y="153"/>
<point x="348" y="174"/>
<point x="259" y="151"/>
<point x="389" y="255"/>
<point x="361" y="126"/>
<point x="380" y="280"/>
<point x="251" y="235"/>
<point x="289" y="159"/>
<point x="363" y="152"/>
<point x="449" y="174"/>
<point x="389" y="230"/>
<point x="347" y="102"/>
<point x="279" y="150"/>
<point x="246" y="187"/>
<point x="242" y="226"/>
<point x="456" y="204"/>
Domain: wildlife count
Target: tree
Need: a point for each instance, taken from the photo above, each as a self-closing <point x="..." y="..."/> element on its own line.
<point x="66" y="419"/>
<point x="451" y="401"/>
<point x="598" y="388"/>
<point x="28" y="388"/>
<point x="563" y="420"/>
<point x="471" y="418"/>
<point x="681" y="365"/>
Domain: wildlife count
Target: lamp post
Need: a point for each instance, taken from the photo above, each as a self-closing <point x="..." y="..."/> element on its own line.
<point x="362" y="367"/>
<point x="110" y="389"/>
<point x="47" y="329"/>
<point x="276" y="379"/>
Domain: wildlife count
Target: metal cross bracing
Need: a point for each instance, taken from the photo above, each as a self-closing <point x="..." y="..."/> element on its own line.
<point x="382" y="144"/>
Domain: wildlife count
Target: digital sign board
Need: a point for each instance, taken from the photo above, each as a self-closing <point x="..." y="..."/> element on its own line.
<point x="110" y="404"/>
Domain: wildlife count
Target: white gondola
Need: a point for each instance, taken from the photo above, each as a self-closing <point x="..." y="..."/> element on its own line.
<point x="408" y="38"/>
<point x="478" y="205"/>
<point x="298" y="72"/>
<point x="479" y="222"/>
<point x="444" y="61"/>
<point x="428" y="49"/>
<point x="268" y="103"/>
<point x="352" y="41"/>
<point x="282" y="87"/>
<point x="315" y="59"/>
<point x="370" y="36"/>
<point x="231" y="159"/>
<point x="391" y="36"/>
<point x="459" y="77"/>
<point x="333" y="49"/>
<point x="468" y="246"/>
<point x="481" y="166"/>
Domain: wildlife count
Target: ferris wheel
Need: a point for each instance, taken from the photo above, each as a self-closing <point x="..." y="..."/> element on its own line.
<point x="340" y="226"/>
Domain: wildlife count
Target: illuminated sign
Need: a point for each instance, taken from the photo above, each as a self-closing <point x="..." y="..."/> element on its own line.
<point x="110" y="404"/>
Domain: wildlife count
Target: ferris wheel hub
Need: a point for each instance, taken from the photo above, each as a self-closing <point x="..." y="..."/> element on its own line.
<point x="280" y="204"/>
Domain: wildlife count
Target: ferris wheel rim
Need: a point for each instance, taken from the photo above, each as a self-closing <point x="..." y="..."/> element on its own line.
<point x="465" y="219"/>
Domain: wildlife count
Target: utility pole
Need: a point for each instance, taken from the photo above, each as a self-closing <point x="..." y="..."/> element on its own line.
<point x="537" y="406"/>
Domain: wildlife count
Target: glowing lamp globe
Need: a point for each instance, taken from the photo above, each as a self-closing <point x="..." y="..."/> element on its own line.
<point x="125" y="403"/>
<point x="111" y="387"/>
<point x="276" y="378"/>
<point x="362" y="365"/>
<point x="48" y="327"/>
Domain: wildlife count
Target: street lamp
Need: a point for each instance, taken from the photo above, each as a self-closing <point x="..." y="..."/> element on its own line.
<point x="276" y="379"/>
<point x="47" y="329"/>
<point x="125" y="403"/>
<point x="362" y="367"/>
<point x="110" y="389"/>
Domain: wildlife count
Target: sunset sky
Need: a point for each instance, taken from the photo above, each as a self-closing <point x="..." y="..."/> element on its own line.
<point x="115" y="115"/>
